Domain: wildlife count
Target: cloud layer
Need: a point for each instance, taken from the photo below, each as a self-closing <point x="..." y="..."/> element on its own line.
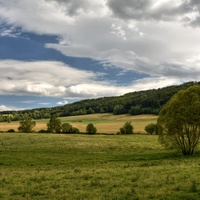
<point x="156" y="37"/>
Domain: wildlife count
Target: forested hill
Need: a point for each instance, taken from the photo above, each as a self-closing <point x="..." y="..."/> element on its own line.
<point x="134" y="103"/>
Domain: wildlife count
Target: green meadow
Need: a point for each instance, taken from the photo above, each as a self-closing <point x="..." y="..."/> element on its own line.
<point x="96" y="167"/>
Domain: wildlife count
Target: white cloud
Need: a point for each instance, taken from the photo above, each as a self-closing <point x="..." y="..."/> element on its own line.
<point x="9" y="32"/>
<point x="118" y="31"/>
<point x="64" y="102"/>
<point x="39" y="78"/>
<point x="59" y="80"/>
<point x="8" y="108"/>
<point x="107" y="29"/>
<point x="56" y="79"/>
<point x="153" y="36"/>
<point x="4" y="108"/>
<point x="37" y="16"/>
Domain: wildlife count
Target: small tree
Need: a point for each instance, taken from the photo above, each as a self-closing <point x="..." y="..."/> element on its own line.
<point x="90" y="129"/>
<point x="54" y="125"/>
<point x="179" y="121"/>
<point x="67" y="128"/>
<point x="127" y="128"/>
<point x="26" y="124"/>
<point x="151" y="128"/>
<point x="75" y="130"/>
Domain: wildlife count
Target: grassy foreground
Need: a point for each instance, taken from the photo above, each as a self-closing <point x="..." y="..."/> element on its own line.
<point x="118" y="167"/>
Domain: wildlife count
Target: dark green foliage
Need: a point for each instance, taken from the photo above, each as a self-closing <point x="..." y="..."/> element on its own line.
<point x="90" y="129"/>
<point x="90" y="111"/>
<point x="119" y="109"/>
<point x="193" y="187"/>
<point x="151" y="128"/>
<point x="75" y="130"/>
<point x="54" y="125"/>
<point x="135" y="110"/>
<point x="10" y="131"/>
<point x="26" y="124"/>
<point x="42" y="131"/>
<point x="68" y="128"/>
<point x="127" y="128"/>
<point x="179" y="121"/>
<point x="134" y="103"/>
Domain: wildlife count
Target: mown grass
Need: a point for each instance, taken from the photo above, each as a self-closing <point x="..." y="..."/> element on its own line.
<point x="56" y="166"/>
<point x="105" y="123"/>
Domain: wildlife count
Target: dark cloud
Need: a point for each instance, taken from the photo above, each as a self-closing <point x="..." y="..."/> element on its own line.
<point x="129" y="8"/>
<point x="156" y="10"/>
<point x="72" y="7"/>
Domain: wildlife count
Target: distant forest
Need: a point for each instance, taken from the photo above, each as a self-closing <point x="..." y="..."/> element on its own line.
<point x="134" y="103"/>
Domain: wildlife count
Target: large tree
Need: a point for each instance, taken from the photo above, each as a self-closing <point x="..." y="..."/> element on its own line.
<point x="179" y="121"/>
<point x="26" y="124"/>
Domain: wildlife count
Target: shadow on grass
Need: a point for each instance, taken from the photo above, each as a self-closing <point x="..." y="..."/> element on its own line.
<point x="156" y="156"/>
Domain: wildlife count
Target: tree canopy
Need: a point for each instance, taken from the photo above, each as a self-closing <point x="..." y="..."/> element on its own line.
<point x="127" y="128"/>
<point x="54" y="125"/>
<point x="91" y="129"/>
<point x="179" y="121"/>
<point x="134" y="103"/>
<point x="26" y="124"/>
<point x="151" y="128"/>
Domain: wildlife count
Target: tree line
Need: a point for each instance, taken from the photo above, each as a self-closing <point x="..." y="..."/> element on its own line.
<point x="178" y="124"/>
<point x="27" y="124"/>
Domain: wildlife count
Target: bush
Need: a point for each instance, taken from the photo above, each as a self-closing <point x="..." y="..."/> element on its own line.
<point x="75" y="130"/>
<point x="43" y="131"/>
<point x="151" y="128"/>
<point x="68" y="128"/>
<point x="11" y="131"/>
<point x="90" y="129"/>
<point x="127" y="128"/>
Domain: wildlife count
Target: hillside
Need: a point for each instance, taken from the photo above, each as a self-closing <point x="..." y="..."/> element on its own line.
<point x="134" y="103"/>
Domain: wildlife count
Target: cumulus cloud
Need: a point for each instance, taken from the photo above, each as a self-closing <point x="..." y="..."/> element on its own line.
<point x="120" y="26"/>
<point x="64" y="102"/>
<point x="32" y="16"/>
<point x="40" y="78"/>
<point x="54" y="79"/>
<point x="59" y="80"/>
<point x="8" y="108"/>
<point x="155" y="37"/>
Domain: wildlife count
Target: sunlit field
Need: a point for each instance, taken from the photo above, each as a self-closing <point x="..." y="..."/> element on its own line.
<point x="105" y="123"/>
<point x="63" y="166"/>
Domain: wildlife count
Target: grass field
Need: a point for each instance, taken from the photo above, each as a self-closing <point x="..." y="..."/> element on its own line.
<point x="116" y="167"/>
<point x="105" y="123"/>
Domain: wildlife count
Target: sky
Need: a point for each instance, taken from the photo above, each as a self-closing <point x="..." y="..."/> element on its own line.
<point x="55" y="52"/>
